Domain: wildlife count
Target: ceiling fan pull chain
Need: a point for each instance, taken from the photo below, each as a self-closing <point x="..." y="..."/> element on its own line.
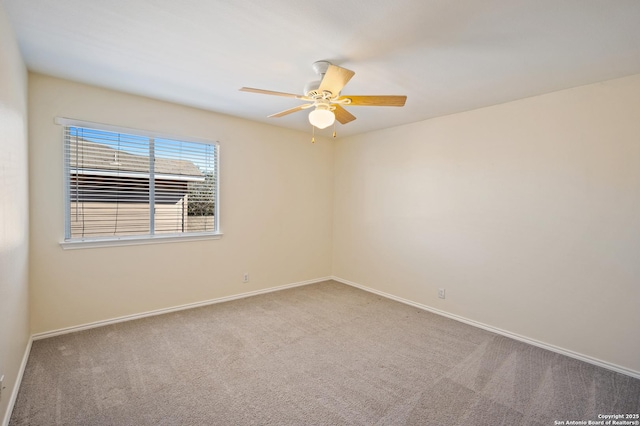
<point x="334" y="129"/>
<point x="313" y="134"/>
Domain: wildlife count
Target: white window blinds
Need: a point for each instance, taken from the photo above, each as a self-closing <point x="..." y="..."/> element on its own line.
<point x="124" y="185"/>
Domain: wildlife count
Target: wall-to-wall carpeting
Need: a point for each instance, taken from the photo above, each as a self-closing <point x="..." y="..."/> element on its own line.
<point x="323" y="354"/>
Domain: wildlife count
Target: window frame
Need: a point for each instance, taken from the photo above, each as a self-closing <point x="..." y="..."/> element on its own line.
<point x="93" y="242"/>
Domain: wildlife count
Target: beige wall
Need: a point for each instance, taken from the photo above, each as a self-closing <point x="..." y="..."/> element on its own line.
<point x="528" y="213"/>
<point x="275" y="208"/>
<point x="14" y="211"/>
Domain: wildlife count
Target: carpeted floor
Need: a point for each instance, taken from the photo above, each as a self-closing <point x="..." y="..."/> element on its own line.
<point x="322" y="354"/>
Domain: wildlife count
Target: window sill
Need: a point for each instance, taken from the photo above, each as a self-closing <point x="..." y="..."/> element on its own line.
<point x="138" y="240"/>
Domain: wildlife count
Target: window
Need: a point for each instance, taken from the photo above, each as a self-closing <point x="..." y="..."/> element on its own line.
<point x="133" y="185"/>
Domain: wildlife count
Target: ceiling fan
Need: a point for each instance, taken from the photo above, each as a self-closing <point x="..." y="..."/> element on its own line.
<point x="324" y="97"/>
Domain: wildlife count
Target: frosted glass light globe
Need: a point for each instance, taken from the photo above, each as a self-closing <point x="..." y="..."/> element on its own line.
<point x="321" y="118"/>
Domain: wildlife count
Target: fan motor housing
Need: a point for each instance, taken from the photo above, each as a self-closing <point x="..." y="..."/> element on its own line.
<point x="311" y="89"/>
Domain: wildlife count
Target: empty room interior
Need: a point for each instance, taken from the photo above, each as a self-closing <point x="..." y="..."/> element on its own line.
<point x="339" y="212"/>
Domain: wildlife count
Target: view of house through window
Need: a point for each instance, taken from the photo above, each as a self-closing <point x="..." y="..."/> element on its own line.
<point x="121" y="185"/>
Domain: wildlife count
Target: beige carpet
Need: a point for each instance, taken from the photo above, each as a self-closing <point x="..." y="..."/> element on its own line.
<point x="323" y="354"/>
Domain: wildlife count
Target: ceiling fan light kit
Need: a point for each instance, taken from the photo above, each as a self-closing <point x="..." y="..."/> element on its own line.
<point x="322" y="117"/>
<point x="324" y="96"/>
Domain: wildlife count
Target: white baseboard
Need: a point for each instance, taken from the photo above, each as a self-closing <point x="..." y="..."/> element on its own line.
<point x="16" y="385"/>
<point x="95" y="324"/>
<point x="552" y="348"/>
<point x="515" y="336"/>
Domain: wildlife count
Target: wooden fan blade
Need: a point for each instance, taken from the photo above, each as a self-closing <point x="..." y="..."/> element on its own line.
<point x="288" y="111"/>
<point x="383" y="100"/>
<point x="342" y="115"/>
<point x="335" y="79"/>
<point x="269" y="92"/>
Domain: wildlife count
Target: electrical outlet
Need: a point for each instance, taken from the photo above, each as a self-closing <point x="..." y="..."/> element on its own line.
<point x="245" y="277"/>
<point x="441" y="293"/>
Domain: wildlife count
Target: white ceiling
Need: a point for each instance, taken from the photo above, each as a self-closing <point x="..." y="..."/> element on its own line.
<point x="446" y="56"/>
